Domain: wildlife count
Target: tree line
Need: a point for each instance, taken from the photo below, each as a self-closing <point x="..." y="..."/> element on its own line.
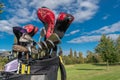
<point x="107" y="50"/>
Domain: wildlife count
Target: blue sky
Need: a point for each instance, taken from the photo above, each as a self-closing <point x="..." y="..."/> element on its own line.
<point x="92" y="18"/>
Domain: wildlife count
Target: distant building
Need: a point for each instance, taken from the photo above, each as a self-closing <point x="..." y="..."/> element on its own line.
<point x="5" y="54"/>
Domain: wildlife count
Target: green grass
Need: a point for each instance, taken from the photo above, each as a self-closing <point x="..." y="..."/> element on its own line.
<point x="92" y="72"/>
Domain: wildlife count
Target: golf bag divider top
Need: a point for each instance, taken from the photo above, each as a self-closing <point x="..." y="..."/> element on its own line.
<point x="45" y="69"/>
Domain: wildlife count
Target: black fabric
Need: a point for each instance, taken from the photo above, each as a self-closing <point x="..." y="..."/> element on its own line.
<point x="62" y="25"/>
<point x="18" y="31"/>
<point x="32" y="33"/>
<point x="63" y="72"/>
<point x="45" y="69"/>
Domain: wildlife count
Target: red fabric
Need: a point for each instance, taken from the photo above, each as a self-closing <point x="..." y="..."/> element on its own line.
<point x="31" y="29"/>
<point x="36" y="30"/>
<point x="47" y="17"/>
<point x="62" y="16"/>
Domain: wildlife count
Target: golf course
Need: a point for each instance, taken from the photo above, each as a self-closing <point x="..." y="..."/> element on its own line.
<point x="92" y="72"/>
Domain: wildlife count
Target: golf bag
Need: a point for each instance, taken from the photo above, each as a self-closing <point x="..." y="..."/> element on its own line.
<point x="45" y="69"/>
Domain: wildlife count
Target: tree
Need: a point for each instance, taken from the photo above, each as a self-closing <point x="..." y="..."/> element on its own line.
<point x="75" y="58"/>
<point x="3" y="61"/>
<point x="89" y="57"/>
<point x="96" y="58"/>
<point x="75" y="54"/>
<point x="106" y="49"/>
<point x="71" y="53"/>
<point x="1" y="6"/>
<point x="68" y="60"/>
<point x="81" y="58"/>
<point x="117" y="48"/>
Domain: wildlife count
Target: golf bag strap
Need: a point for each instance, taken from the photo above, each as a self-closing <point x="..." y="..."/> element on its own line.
<point x="62" y="69"/>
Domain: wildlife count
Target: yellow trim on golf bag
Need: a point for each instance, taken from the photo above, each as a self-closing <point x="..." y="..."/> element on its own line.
<point x="23" y="69"/>
<point x="61" y="59"/>
<point x="28" y="69"/>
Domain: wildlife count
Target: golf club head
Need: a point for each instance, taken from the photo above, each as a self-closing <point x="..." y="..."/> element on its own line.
<point x="54" y="38"/>
<point x="42" y="32"/>
<point x="26" y="38"/>
<point x="39" y="46"/>
<point x="22" y="39"/>
<point x="19" y="48"/>
<point x="43" y="45"/>
<point x="50" y="44"/>
<point x="34" y="50"/>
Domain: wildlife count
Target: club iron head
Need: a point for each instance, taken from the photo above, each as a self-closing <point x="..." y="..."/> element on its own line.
<point x="50" y="44"/>
<point x="43" y="45"/>
<point x="54" y="38"/>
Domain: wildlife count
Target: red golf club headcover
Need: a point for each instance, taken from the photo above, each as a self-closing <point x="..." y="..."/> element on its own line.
<point x="48" y="18"/>
<point x="31" y="29"/>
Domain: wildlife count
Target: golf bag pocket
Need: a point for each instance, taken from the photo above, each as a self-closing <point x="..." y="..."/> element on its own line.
<point x="45" y="69"/>
<point x="48" y="68"/>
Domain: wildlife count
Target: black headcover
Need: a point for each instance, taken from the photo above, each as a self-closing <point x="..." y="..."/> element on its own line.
<point x="62" y="23"/>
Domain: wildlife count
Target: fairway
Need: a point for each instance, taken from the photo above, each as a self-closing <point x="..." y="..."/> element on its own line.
<point x="92" y="72"/>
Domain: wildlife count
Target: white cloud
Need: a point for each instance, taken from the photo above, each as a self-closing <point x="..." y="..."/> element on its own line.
<point x="105" y="17"/>
<point x="5" y="26"/>
<point x="93" y="38"/>
<point x="113" y="36"/>
<point x="86" y="10"/>
<point x="83" y="39"/>
<point x="72" y="32"/>
<point x="24" y="11"/>
<point x="108" y="29"/>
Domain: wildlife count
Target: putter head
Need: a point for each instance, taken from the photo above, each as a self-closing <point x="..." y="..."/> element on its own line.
<point x="19" y="48"/>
